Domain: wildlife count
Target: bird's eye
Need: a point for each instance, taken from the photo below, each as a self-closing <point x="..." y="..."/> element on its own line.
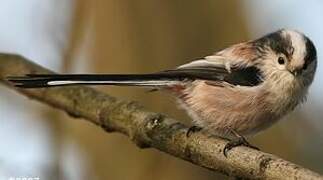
<point x="281" y="60"/>
<point x="305" y="66"/>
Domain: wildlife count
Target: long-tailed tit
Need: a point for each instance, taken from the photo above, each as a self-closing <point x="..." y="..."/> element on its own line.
<point x="237" y="91"/>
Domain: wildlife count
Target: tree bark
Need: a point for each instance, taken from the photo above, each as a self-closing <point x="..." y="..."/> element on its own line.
<point x="149" y="129"/>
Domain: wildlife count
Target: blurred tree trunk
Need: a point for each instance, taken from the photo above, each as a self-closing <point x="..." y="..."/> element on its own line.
<point x="145" y="36"/>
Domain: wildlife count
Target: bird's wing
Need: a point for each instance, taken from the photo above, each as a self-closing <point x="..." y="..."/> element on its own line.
<point x="219" y="68"/>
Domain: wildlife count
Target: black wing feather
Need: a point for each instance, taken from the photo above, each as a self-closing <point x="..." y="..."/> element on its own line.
<point x="250" y="76"/>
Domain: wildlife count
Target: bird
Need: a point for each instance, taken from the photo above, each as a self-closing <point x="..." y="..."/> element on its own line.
<point x="232" y="93"/>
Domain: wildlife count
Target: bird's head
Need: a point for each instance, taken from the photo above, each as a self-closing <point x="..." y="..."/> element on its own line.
<point x="287" y="54"/>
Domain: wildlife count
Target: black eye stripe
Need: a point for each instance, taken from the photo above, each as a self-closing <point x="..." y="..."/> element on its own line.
<point x="310" y="52"/>
<point x="278" y="43"/>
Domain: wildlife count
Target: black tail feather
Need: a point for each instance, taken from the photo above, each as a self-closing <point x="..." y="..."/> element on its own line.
<point x="51" y="80"/>
<point x="27" y="82"/>
<point x="163" y="78"/>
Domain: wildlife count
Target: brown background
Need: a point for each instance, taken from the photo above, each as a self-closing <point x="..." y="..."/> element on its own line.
<point x="119" y="36"/>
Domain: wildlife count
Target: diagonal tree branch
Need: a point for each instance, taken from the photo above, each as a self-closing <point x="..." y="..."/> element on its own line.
<point x="149" y="129"/>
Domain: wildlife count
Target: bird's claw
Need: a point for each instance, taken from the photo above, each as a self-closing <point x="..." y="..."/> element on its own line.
<point x="239" y="141"/>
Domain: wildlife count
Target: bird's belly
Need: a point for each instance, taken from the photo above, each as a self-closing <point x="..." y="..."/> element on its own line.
<point x="245" y="123"/>
<point x="219" y="109"/>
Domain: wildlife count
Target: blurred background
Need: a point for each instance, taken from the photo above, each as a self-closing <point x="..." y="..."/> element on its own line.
<point x="124" y="36"/>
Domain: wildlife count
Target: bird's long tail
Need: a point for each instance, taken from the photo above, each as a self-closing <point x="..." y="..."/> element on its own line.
<point x="164" y="78"/>
<point x="51" y="80"/>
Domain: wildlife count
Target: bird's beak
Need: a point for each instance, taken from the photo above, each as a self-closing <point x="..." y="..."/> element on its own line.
<point x="296" y="71"/>
<point x="295" y="68"/>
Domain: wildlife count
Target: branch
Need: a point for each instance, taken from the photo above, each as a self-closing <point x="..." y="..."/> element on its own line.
<point x="149" y="129"/>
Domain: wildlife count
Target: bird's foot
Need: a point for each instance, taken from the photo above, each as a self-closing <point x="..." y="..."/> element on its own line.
<point x="192" y="129"/>
<point x="238" y="141"/>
